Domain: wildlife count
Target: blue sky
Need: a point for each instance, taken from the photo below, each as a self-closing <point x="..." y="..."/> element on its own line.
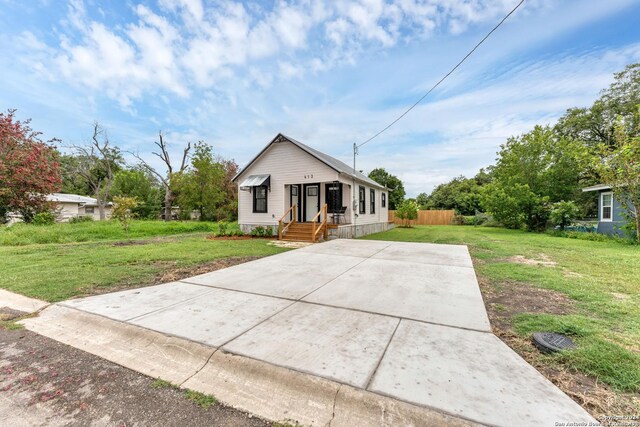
<point x="329" y="73"/>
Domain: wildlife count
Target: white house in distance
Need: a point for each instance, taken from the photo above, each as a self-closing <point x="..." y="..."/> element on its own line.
<point x="288" y="175"/>
<point x="68" y="206"/>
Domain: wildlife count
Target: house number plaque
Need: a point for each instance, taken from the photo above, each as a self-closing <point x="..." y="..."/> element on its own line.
<point x="310" y="176"/>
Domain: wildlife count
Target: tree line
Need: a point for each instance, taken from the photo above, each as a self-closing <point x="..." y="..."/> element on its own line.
<point x="30" y="169"/>
<point x="538" y="176"/>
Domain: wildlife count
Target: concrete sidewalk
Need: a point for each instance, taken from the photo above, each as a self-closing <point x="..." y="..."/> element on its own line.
<point x="365" y="321"/>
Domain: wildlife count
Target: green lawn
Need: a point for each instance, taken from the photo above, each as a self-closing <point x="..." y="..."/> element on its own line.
<point x="57" y="271"/>
<point x="26" y="234"/>
<point x="600" y="279"/>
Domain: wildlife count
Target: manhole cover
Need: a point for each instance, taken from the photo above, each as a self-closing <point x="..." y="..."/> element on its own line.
<point x="550" y="342"/>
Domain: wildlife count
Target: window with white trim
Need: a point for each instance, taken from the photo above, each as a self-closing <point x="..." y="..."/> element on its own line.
<point x="606" y="203"/>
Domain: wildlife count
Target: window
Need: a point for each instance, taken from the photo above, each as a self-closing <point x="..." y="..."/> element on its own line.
<point x="88" y="210"/>
<point x="260" y="199"/>
<point x="384" y="200"/>
<point x="372" y="201"/>
<point x="607" y="207"/>
<point x="362" y="201"/>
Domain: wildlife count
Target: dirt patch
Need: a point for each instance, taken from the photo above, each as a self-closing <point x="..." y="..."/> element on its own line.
<point x="174" y="274"/>
<point x="513" y="298"/>
<point x="54" y="384"/>
<point x="620" y="297"/>
<point x="171" y="273"/>
<point x="544" y="260"/>
<point x="131" y="243"/>
<point x="7" y="313"/>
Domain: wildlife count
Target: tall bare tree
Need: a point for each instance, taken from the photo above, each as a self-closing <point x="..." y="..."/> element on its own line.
<point x="97" y="163"/>
<point x="166" y="180"/>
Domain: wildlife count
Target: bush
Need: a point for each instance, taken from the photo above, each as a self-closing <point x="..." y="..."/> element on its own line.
<point x="79" y="219"/>
<point x="261" y="231"/>
<point x="407" y="212"/>
<point x="43" y="218"/>
<point x="222" y="228"/>
<point x="123" y="210"/>
<point x="562" y="213"/>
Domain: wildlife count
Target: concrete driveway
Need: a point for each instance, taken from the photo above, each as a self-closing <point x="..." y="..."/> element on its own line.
<point x="403" y="320"/>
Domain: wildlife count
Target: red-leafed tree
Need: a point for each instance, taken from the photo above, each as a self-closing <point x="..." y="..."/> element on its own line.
<point x="29" y="169"/>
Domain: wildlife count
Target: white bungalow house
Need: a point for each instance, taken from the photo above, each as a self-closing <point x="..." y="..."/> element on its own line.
<point x="67" y="206"/>
<point x="306" y="194"/>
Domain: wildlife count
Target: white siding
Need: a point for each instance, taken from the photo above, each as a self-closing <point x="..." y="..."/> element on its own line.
<point x="287" y="164"/>
<point x="381" y="214"/>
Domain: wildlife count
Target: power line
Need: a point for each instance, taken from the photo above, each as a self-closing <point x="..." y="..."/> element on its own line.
<point x="443" y="78"/>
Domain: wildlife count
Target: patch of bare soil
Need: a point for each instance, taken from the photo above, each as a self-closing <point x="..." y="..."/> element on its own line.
<point x="174" y="274"/>
<point x="131" y="243"/>
<point x="171" y="273"/>
<point x="514" y="298"/>
<point x="511" y="298"/>
<point x="44" y="382"/>
<point x="544" y="261"/>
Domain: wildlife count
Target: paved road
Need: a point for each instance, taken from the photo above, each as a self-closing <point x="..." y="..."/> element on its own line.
<point x="404" y="320"/>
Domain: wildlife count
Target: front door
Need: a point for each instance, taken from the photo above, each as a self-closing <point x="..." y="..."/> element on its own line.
<point x="311" y="201"/>
<point x="294" y="200"/>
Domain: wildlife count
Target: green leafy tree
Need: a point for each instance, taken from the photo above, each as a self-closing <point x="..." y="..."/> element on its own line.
<point x="141" y="184"/>
<point x="393" y="183"/>
<point x="461" y="194"/>
<point x="619" y="167"/>
<point x="202" y="186"/>
<point x="533" y="170"/>
<point x="422" y="200"/>
<point x="72" y="181"/>
<point x="123" y="210"/>
<point x="562" y="213"/>
<point x="407" y="212"/>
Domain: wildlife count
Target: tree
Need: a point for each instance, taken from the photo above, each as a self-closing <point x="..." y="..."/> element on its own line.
<point x="167" y="179"/>
<point x="141" y="184"/>
<point x="97" y="163"/>
<point x="422" y="200"/>
<point x="202" y="187"/>
<point x="619" y="167"/>
<point x="533" y="170"/>
<point x="460" y="194"/>
<point x="393" y="183"/>
<point x="562" y="213"/>
<point x="407" y="211"/>
<point x="123" y="210"/>
<point x="596" y="125"/>
<point x="72" y="181"/>
<point x="29" y="169"/>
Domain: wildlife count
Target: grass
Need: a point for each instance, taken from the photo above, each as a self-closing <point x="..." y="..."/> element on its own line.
<point x="27" y="234"/>
<point x="55" y="271"/>
<point x="602" y="278"/>
<point x="205" y="401"/>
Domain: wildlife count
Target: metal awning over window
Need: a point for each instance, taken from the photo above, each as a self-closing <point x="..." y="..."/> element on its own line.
<point x="256" y="181"/>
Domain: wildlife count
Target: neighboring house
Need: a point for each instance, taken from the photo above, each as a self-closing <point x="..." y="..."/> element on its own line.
<point x="68" y="206"/>
<point x="610" y="211"/>
<point x="289" y="173"/>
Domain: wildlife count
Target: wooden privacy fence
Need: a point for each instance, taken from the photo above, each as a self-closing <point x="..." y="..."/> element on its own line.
<point x="431" y="217"/>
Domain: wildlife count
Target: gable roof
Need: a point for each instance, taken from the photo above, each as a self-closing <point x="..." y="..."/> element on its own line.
<point x="70" y="198"/>
<point x="596" y="188"/>
<point x="332" y="162"/>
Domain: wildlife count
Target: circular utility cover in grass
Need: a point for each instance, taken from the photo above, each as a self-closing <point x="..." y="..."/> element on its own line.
<point x="550" y="342"/>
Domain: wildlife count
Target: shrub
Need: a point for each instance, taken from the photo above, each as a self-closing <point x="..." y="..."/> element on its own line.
<point x="222" y="228"/>
<point x="79" y="219"/>
<point x="43" y="218"/>
<point x="563" y="212"/>
<point x="407" y="212"/>
<point x="123" y="210"/>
